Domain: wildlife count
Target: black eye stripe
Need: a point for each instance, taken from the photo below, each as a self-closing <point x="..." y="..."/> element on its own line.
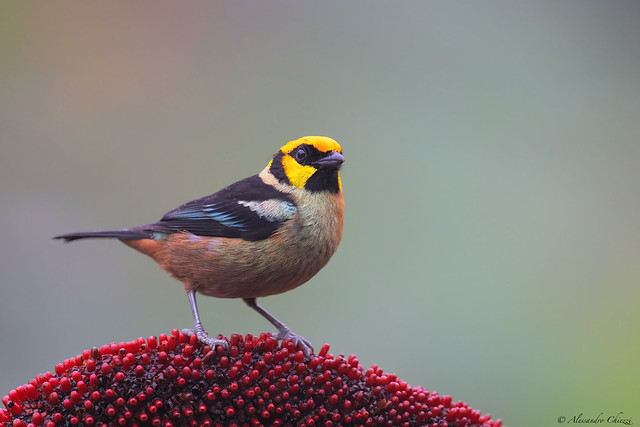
<point x="311" y="154"/>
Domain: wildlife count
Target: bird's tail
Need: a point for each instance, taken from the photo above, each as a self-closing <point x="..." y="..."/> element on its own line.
<point x="110" y="234"/>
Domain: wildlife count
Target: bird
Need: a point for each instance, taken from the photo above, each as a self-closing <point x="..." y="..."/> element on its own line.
<point x="260" y="236"/>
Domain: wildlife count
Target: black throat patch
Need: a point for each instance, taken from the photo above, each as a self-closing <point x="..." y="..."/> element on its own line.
<point x="325" y="179"/>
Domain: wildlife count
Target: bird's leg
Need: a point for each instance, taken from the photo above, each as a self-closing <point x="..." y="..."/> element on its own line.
<point x="283" y="330"/>
<point x="198" y="330"/>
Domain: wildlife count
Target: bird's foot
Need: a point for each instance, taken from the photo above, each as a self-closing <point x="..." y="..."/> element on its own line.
<point x="297" y="340"/>
<point x="204" y="338"/>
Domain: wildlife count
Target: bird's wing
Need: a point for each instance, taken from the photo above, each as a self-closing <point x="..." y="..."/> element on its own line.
<point x="248" y="209"/>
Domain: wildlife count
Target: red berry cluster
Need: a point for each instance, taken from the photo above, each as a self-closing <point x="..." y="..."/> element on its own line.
<point x="176" y="380"/>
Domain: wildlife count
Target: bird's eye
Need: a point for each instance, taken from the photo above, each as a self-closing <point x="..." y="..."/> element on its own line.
<point x="301" y="155"/>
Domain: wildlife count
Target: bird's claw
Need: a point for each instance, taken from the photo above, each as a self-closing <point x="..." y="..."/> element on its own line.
<point x="204" y="338"/>
<point x="297" y="340"/>
<point x="284" y="334"/>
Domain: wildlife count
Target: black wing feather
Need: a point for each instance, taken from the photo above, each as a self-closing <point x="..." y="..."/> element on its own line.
<point x="220" y="214"/>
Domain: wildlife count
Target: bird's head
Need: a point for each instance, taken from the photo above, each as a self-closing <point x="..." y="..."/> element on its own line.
<point x="311" y="163"/>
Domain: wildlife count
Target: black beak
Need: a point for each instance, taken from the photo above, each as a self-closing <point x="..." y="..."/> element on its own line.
<point x="333" y="159"/>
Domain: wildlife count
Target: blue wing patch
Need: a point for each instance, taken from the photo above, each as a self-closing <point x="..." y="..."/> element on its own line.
<point x="248" y="209"/>
<point x="211" y="211"/>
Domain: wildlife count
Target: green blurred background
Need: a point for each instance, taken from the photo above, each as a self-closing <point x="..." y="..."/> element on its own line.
<point x="492" y="232"/>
